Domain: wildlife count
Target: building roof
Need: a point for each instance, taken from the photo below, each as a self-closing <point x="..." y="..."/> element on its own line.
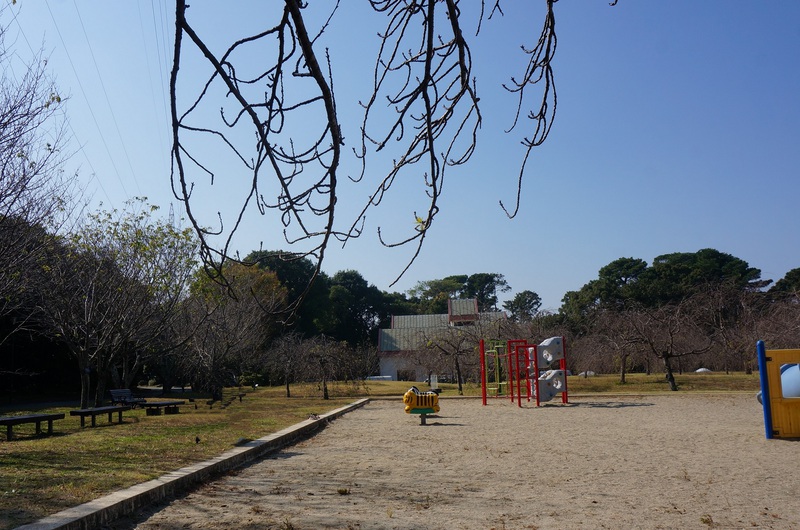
<point x="462" y="311"/>
<point x="459" y="307"/>
<point x="402" y="339"/>
<point x="408" y="332"/>
<point x="418" y="321"/>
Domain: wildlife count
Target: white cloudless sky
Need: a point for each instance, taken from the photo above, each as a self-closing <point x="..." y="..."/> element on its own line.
<point x="677" y="129"/>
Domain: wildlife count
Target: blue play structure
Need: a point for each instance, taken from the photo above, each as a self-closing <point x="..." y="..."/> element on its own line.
<point x="780" y="391"/>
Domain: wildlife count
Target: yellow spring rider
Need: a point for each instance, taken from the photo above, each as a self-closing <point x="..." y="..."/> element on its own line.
<point x="422" y="403"/>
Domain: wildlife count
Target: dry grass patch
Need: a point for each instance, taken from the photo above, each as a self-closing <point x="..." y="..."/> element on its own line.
<point x="656" y="382"/>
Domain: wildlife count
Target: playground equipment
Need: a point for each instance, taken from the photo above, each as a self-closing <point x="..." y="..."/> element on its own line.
<point x="541" y="367"/>
<point x="497" y="352"/>
<point x="422" y="403"/>
<point x="780" y="391"/>
<point x="506" y="362"/>
<point x="549" y="353"/>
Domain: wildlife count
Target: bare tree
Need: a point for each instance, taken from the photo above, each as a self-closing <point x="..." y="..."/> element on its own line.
<point x="231" y="324"/>
<point x="617" y="330"/>
<point x="777" y="323"/>
<point x="423" y="77"/>
<point x="670" y="333"/>
<point x="323" y="360"/>
<point x="284" y="358"/>
<point x="455" y="349"/>
<point x="34" y="191"/>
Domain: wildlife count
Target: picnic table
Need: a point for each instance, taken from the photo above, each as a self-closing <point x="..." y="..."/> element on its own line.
<point x="153" y="408"/>
<point x="94" y="412"/>
<point x="38" y="419"/>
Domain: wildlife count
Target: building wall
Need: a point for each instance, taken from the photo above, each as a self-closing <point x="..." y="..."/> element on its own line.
<point x="396" y="363"/>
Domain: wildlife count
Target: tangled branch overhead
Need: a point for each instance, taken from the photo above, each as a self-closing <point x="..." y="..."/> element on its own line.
<point x="269" y="130"/>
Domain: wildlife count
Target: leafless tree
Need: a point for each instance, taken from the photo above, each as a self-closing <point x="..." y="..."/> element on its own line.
<point x="617" y="331"/>
<point x="454" y="349"/>
<point x="423" y="77"/>
<point x="230" y="325"/>
<point x="34" y="192"/>
<point x="777" y="323"/>
<point x="670" y="333"/>
<point x="323" y="360"/>
<point x="727" y="313"/>
<point x="284" y="358"/>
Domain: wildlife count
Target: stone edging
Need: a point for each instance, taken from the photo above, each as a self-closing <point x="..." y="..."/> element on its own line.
<point x="107" y="509"/>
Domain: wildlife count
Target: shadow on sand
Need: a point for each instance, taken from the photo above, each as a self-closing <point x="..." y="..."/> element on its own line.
<point x="611" y="404"/>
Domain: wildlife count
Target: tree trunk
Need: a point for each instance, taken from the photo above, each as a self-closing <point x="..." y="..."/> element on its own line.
<point x="458" y="376"/>
<point x="622" y="367"/>
<point x="85" y="384"/>
<point x="99" y="391"/>
<point x="670" y="376"/>
<point x="287" y="370"/>
<point x="168" y="380"/>
<point x="131" y="369"/>
<point x="102" y="371"/>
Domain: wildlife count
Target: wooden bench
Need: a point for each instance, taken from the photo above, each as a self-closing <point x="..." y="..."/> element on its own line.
<point x="10" y="421"/>
<point x="124" y="396"/>
<point x="110" y="410"/>
<point x="153" y="408"/>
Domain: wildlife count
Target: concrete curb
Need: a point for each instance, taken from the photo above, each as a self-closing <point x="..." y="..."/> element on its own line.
<point x="107" y="509"/>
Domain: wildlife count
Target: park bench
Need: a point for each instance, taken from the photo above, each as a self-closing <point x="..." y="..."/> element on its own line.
<point x="124" y="396"/>
<point x="153" y="408"/>
<point x="10" y="421"/>
<point x="110" y="410"/>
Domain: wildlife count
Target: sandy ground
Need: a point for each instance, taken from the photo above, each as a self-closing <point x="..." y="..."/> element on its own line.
<point x="675" y="461"/>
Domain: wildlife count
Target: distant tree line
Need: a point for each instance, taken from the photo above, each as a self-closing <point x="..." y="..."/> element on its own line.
<point x="684" y="311"/>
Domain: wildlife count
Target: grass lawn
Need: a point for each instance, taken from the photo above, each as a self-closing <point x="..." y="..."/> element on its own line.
<point x="40" y="475"/>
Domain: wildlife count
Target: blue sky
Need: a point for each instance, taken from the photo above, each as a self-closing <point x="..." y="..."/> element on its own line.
<point x="677" y="129"/>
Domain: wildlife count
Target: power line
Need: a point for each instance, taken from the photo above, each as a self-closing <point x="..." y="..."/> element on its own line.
<point x="105" y="93"/>
<point x="146" y="50"/>
<point x="162" y="52"/>
<point x="67" y="120"/>
<point x="88" y="104"/>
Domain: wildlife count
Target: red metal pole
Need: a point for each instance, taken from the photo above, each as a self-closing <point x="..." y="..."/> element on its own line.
<point x="564" y="396"/>
<point x="528" y="372"/>
<point x="518" y="376"/>
<point x="510" y="375"/>
<point x="536" y="373"/>
<point x="483" y="371"/>
<point x="511" y="346"/>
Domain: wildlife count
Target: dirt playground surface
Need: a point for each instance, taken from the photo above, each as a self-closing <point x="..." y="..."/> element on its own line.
<point x="672" y="461"/>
